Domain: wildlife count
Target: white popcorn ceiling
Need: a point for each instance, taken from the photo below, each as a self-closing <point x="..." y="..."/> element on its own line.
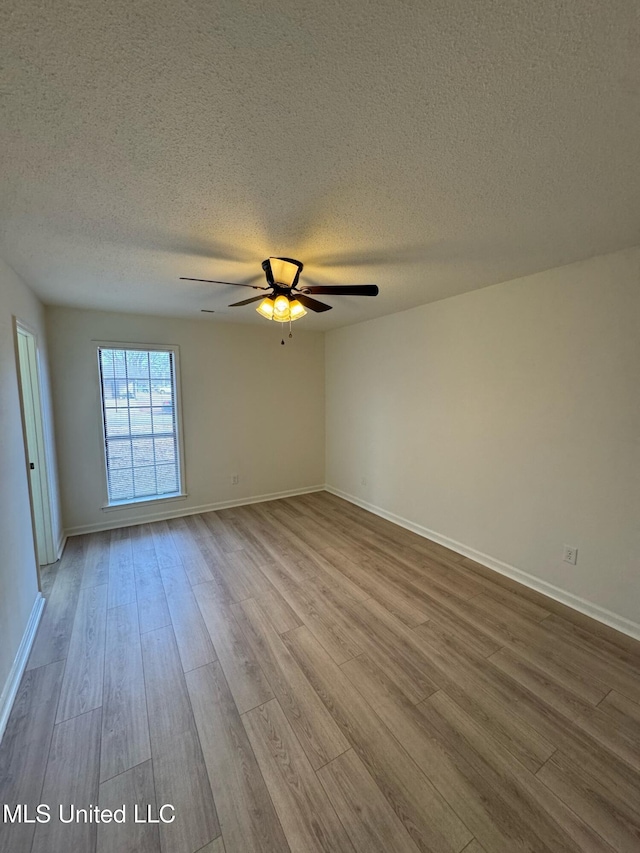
<point x="428" y="147"/>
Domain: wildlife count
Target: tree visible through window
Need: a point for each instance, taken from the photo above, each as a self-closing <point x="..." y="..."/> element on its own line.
<point x="140" y="423"/>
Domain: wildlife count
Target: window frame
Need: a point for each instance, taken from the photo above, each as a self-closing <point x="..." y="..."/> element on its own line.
<point x="145" y="500"/>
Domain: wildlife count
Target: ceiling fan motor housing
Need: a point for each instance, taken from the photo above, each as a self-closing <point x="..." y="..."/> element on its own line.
<point x="282" y="271"/>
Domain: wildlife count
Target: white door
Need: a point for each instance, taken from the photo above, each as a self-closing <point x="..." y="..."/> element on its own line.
<point x="35" y="444"/>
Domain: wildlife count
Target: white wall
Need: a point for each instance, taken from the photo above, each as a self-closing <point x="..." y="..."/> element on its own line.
<point x="250" y="406"/>
<point x="18" y="573"/>
<point x="508" y="420"/>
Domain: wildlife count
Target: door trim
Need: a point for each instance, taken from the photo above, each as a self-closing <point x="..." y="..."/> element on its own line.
<point x="39" y="450"/>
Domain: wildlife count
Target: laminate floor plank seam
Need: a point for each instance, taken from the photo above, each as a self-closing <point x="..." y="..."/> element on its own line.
<point x="226" y="691"/>
<point x="603" y="698"/>
<point x="46" y="763"/>
<point x="302" y="761"/>
<point x="348" y="749"/>
<point x="345" y="667"/>
<point x="122" y="772"/>
<point x="154" y="758"/>
<point x="605" y="843"/>
<point x="55" y="716"/>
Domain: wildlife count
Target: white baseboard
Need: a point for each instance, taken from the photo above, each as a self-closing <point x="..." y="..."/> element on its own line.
<point x="601" y="614"/>
<point x="179" y="513"/>
<point x="20" y="662"/>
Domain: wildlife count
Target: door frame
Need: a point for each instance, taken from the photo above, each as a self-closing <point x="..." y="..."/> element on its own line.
<point x="35" y="446"/>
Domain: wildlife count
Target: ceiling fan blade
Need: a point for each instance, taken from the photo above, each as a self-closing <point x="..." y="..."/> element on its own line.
<point x="246" y="301"/>
<point x="212" y="281"/>
<point x="312" y="304"/>
<point x="343" y="289"/>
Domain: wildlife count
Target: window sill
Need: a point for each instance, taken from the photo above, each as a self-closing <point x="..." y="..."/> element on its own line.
<point x="112" y="507"/>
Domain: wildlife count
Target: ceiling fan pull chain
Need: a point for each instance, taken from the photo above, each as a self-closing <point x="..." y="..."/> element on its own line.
<point x="290" y="335"/>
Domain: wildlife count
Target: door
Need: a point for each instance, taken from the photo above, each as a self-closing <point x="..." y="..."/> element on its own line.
<point x="35" y="444"/>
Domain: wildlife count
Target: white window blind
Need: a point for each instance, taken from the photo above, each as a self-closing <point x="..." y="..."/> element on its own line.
<point x="139" y="409"/>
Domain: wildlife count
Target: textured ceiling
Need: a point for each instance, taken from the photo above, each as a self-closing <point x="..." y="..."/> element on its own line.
<point x="429" y="147"/>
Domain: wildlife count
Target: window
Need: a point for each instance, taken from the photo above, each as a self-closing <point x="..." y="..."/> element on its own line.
<point x="140" y="416"/>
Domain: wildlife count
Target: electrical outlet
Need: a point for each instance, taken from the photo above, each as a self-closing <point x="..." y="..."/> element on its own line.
<point x="235" y="479"/>
<point x="570" y="554"/>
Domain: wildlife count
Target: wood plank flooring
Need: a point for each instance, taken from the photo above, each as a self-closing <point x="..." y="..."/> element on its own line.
<point x="301" y="675"/>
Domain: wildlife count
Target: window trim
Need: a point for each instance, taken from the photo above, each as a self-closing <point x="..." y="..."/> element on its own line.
<point x="146" y="500"/>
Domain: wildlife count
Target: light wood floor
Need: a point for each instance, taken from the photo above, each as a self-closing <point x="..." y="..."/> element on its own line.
<point x="301" y="675"/>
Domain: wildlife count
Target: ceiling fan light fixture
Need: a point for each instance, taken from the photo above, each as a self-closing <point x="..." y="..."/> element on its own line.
<point x="282" y="309"/>
<point x="266" y="308"/>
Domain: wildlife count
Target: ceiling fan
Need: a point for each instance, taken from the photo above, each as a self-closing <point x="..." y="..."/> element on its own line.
<point x="288" y="300"/>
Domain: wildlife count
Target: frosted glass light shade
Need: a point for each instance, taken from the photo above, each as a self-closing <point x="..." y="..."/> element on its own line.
<point x="296" y="310"/>
<point x="266" y="308"/>
<point x="281" y="309"/>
